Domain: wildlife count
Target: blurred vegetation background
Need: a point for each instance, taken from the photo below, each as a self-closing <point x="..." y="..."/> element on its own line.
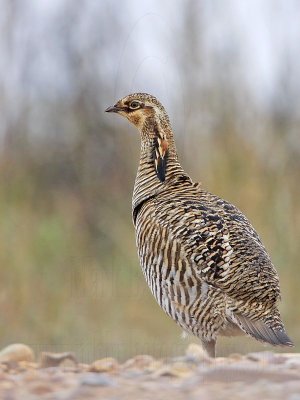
<point x="228" y="73"/>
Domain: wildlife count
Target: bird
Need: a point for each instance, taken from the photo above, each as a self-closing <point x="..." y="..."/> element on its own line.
<point x="204" y="262"/>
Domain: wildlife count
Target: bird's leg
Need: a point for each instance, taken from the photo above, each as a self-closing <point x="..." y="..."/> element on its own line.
<point x="209" y="347"/>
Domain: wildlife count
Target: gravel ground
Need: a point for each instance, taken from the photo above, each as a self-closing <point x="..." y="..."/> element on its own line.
<point x="264" y="375"/>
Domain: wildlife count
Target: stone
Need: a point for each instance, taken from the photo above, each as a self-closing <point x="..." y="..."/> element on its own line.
<point x="141" y="361"/>
<point x="176" y="370"/>
<point x="95" y="379"/>
<point x="42" y="388"/>
<point x="15" y="353"/>
<point x="293" y="362"/>
<point x="196" y="353"/>
<point x="247" y="374"/>
<point x="55" y="359"/>
<point x="236" y="356"/>
<point x="155" y="365"/>
<point x="266" y="357"/>
<point x="294" y="396"/>
<point x="107" y="364"/>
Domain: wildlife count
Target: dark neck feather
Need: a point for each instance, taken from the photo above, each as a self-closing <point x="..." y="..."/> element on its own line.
<point x="155" y="171"/>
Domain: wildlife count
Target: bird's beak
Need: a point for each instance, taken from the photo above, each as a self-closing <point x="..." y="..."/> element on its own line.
<point x="114" y="109"/>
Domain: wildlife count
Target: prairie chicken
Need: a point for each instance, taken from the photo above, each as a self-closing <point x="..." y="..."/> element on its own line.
<point x="203" y="261"/>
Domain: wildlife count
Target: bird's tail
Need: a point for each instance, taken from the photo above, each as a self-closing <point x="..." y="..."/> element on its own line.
<point x="261" y="331"/>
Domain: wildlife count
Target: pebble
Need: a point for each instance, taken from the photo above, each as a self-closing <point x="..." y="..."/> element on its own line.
<point x="293" y="362"/>
<point x="26" y="365"/>
<point x="177" y="370"/>
<point x="107" y="364"/>
<point x="236" y="356"/>
<point x="41" y="388"/>
<point x="196" y="353"/>
<point x="48" y="360"/>
<point x="267" y="357"/>
<point x="141" y="361"/>
<point x="248" y="374"/>
<point x="15" y="353"/>
<point x="95" y="379"/>
<point x="294" y="396"/>
<point x="155" y="365"/>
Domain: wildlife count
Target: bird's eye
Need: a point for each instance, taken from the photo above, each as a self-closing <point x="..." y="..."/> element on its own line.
<point x="134" y="105"/>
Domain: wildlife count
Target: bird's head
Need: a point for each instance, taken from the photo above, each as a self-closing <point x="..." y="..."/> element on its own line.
<point x="138" y="108"/>
<point x="151" y="119"/>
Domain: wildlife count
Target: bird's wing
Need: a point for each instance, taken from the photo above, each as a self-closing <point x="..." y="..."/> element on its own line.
<point x="222" y="248"/>
<point x="250" y="263"/>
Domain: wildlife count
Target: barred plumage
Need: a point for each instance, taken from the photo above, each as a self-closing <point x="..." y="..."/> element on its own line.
<point x="203" y="261"/>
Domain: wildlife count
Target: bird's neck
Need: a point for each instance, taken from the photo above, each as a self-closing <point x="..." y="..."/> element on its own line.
<point x="158" y="161"/>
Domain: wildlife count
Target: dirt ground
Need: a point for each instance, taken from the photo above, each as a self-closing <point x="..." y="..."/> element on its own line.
<point x="263" y="375"/>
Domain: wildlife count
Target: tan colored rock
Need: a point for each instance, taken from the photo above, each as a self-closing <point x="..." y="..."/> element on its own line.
<point x="196" y="353"/>
<point x="31" y="375"/>
<point x="28" y="365"/>
<point x="15" y="353"/>
<point x="154" y="366"/>
<point x="293" y="362"/>
<point x="42" y="388"/>
<point x="141" y="361"/>
<point x="225" y="361"/>
<point x="247" y="373"/>
<point x="236" y="356"/>
<point x="266" y="357"/>
<point x="7" y="385"/>
<point x="175" y="370"/>
<point x="107" y="364"/>
<point x="83" y="367"/>
<point x="48" y="359"/>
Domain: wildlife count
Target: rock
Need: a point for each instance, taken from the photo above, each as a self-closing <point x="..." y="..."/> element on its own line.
<point x="196" y="353"/>
<point x="293" y="362"/>
<point x="25" y="365"/>
<point x="42" y="388"/>
<point x="7" y="385"/>
<point x="54" y="359"/>
<point x="236" y="356"/>
<point x="139" y="365"/>
<point x="108" y="364"/>
<point x="176" y="370"/>
<point x="294" y="396"/>
<point x="141" y="362"/>
<point x="266" y="357"/>
<point x="247" y="374"/>
<point x="155" y="365"/>
<point x="15" y="353"/>
<point x="83" y="367"/>
<point x="95" y="379"/>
